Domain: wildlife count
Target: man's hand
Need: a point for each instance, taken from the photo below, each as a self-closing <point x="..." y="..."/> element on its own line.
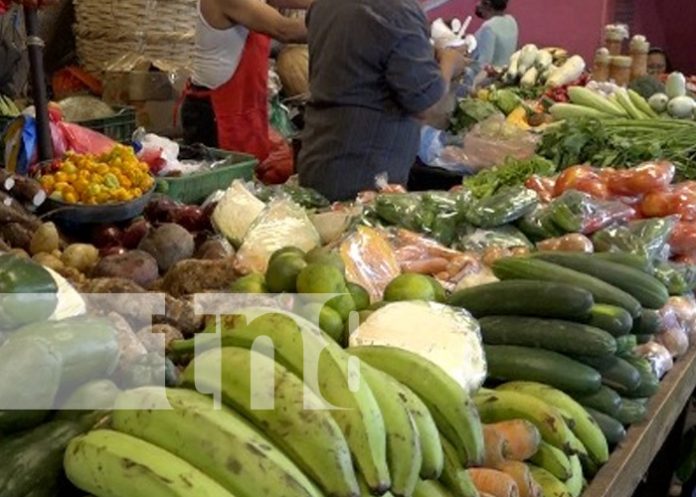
<point x="452" y="62"/>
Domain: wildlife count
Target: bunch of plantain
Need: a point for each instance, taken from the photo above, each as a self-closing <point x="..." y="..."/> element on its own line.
<point x="7" y="107"/>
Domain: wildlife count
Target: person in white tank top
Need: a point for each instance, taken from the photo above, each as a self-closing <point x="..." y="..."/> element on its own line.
<point x="225" y="104"/>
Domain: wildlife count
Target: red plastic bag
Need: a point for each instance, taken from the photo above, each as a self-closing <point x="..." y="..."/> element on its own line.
<point x="83" y="140"/>
<point x="646" y="178"/>
<point x="584" y="179"/>
<point x="280" y="164"/>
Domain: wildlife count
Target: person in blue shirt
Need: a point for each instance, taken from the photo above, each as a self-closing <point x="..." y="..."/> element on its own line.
<point x="498" y="35"/>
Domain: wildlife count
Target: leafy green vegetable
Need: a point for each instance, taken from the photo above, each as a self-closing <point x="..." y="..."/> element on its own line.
<point x="647" y="86"/>
<point x="470" y="112"/>
<point x="506" y="100"/>
<point x="512" y="172"/>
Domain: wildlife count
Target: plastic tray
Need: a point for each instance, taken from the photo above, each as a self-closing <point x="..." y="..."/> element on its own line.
<point x="194" y="188"/>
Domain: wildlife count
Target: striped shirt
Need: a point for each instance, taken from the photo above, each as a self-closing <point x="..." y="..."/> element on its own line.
<point x="372" y="69"/>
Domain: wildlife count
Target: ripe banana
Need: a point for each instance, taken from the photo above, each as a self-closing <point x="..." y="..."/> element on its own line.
<point x="403" y="443"/>
<point x="550" y="485"/>
<point x="450" y="405"/>
<point x="219" y="442"/>
<point x="431" y="488"/>
<point x="107" y="463"/>
<point x="575" y="482"/>
<point x="431" y="448"/>
<point x="554" y="461"/>
<point x="296" y="342"/>
<point x="454" y="477"/>
<point x="502" y="405"/>
<point x="297" y="424"/>
<point x="583" y="425"/>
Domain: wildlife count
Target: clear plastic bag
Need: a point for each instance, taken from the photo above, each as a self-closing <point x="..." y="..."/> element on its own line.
<point x="578" y="212"/>
<point x="504" y="237"/>
<point x="660" y="358"/>
<point x="506" y="206"/>
<point x="679" y="278"/>
<point x="647" y="237"/>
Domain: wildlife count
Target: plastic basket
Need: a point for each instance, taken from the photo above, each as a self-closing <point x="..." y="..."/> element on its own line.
<point x="196" y="187"/>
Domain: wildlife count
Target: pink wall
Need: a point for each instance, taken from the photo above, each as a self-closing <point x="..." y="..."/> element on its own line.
<point x="573" y="24"/>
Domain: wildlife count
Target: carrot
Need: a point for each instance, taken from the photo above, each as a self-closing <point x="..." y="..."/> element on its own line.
<point x="496" y="447"/>
<point x="522" y="438"/>
<point x="494" y="482"/>
<point x="433" y="265"/>
<point x="519" y="472"/>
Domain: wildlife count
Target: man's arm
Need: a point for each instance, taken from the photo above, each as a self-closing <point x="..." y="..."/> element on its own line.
<point x="259" y="17"/>
<point x="291" y="4"/>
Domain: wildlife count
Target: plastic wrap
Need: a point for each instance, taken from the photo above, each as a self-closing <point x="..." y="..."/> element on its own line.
<point x="646" y="178"/>
<point x="506" y="206"/>
<point x="647" y="237"/>
<point x="504" y="237"/>
<point x="584" y="179"/>
<point x="370" y="260"/>
<point x="679" y="278"/>
<point x="282" y="223"/>
<point x="660" y="358"/>
<point x="573" y="242"/>
<point x="683" y="238"/>
<point x="306" y="197"/>
<point x="235" y="212"/>
<point x="678" y="325"/>
<point x="578" y="212"/>
<point x="538" y="225"/>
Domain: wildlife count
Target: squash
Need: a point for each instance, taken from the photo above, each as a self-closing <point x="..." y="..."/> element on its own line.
<point x="292" y="66"/>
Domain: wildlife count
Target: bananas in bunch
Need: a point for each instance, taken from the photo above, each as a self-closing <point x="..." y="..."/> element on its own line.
<point x="401" y="427"/>
<point x="7" y="107"/>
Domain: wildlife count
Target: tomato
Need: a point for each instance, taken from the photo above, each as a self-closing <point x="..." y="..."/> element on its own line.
<point x="584" y="179"/>
<point x="683" y="239"/>
<point x="543" y="186"/>
<point x="646" y="178"/>
<point x="658" y="204"/>
<point x="686" y="259"/>
<point x="685" y="205"/>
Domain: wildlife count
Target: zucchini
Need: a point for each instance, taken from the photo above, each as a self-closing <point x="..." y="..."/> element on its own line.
<point x="564" y="337"/>
<point x="87" y="346"/>
<point x="613" y="430"/>
<point x="526" y="268"/>
<point x="625" y="345"/>
<point x="647" y="289"/>
<point x="504" y="207"/>
<point x="627" y="259"/>
<point x="615" y="320"/>
<point x="28" y="292"/>
<point x="604" y="400"/>
<point x="649" y="323"/>
<point x="641" y="339"/>
<point x="512" y="363"/>
<point x="630" y="412"/>
<point x="525" y="298"/>
<point x="616" y="372"/>
<point x="649" y="382"/>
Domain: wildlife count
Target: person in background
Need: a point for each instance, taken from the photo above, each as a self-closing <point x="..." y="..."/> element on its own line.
<point x="226" y="101"/>
<point x="498" y="36"/>
<point x="658" y="62"/>
<point x="373" y="76"/>
<point x="36" y="4"/>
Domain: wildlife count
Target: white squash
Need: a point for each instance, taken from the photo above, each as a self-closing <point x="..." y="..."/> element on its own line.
<point x="292" y="66"/>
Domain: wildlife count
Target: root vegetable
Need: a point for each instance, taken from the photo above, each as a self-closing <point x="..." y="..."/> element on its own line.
<point x="29" y="190"/>
<point x="218" y="248"/>
<point x="15" y="213"/>
<point x="168" y="244"/>
<point x="7" y="180"/>
<point x="153" y="337"/>
<point x="192" y="217"/>
<point x="135" y="265"/>
<point x="49" y="261"/>
<point x="106" y="235"/>
<point x="574" y="242"/>
<point x="116" y="250"/>
<point x="19" y="253"/>
<point x="496" y="447"/>
<point x="134" y="234"/>
<point x="16" y="235"/>
<point x="494" y="482"/>
<point x="129" y="346"/>
<point x="522" y="438"/>
<point x="4" y="247"/>
<point x="81" y="256"/>
<point x="192" y="276"/>
<point x="519" y="472"/>
<point x="161" y="210"/>
<point x="426" y="266"/>
<point x="46" y="239"/>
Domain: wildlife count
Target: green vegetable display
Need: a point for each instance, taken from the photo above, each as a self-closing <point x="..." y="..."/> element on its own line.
<point x="470" y="112"/>
<point x="512" y="172"/>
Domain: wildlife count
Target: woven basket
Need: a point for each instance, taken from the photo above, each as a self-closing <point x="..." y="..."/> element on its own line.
<point x="117" y="34"/>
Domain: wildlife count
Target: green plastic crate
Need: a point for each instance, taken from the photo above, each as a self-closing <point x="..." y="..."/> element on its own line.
<point x="196" y="187"/>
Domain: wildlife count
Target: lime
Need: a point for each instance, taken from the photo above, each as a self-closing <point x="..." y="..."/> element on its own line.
<point x="286" y="250"/>
<point x="251" y="283"/>
<point x="360" y="296"/>
<point x="227" y="322"/>
<point x="343" y="305"/>
<point x="282" y="273"/>
<point x="321" y="278"/>
<point x="409" y="287"/>
<point x="328" y="319"/>
<point x="440" y="293"/>
<point x="323" y="256"/>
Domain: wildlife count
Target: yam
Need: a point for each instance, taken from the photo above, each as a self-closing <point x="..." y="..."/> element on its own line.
<point x="168" y="244"/>
<point x="521" y="436"/>
<point x="49" y="260"/>
<point x="16" y="235"/>
<point x="496" y="447"/>
<point x="519" y="472"/>
<point x="216" y="248"/>
<point x="494" y="482"/>
<point x="81" y="256"/>
<point x="135" y="265"/>
<point x="46" y="239"/>
<point x="192" y="276"/>
<point x="151" y="336"/>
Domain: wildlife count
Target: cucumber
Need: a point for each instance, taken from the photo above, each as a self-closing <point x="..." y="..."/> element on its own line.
<point x="627" y="259"/>
<point x="648" y="323"/>
<point x="525" y="298"/>
<point x="647" y="289"/>
<point x="87" y="346"/>
<point x="613" y="430"/>
<point x="625" y="345"/>
<point x="511" y="363"/>
<point x="604" y="400"/>
<point x="564" y="337"/>
<point x="615" y="320"/>
<point x="649" y="382"/>
<point x="526" y="268"/>
<point x="641" y="339"/>
<point x="630" y="412"/>
<point x="617" y="373"/>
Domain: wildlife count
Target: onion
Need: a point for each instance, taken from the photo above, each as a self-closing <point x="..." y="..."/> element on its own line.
<point x="192" y="217"/>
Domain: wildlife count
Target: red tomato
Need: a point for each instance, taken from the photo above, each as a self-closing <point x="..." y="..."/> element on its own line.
<point x="543" y="186"/>
<point x="685" y="205"/>
<point x="686" y="258"/>
<point x="582" y="178"/>
<point x="646" y="178"/>
<point x="658" y="204"/>
<point x="683" y="239"/>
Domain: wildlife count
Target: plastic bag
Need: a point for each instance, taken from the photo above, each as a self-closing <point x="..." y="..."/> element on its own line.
<point x="660" y="358"/>
<point x="573" y="242"/>
<point x="680" y="200"/>
<point x="282" y="223"/>
<point x="280" y="163"/>
<point x="159" y="153"/>
<point x="306" y="197"/>
<point x="538" y="225"/>
<point x="506" y="206"/>
<point x="678" y="325"/>
<point x="235" y="212"/>
<point x="583" y="179"/>
<point x="646" y="178"/>
<point x="370" y="260"/>
<point x="84" y="140"/>
<point x="683" y="238"/>
<point x="493" y="140"/>
<point x="504" y="237"/>
<point x="280" y="119"/>
<point x="578" y="212"/>
<point x="677" y="277"/>
<point x="647" y="237"/>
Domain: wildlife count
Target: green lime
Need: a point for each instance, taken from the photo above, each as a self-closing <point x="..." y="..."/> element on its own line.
<point x="440" y="293"/>
<point x="227" y="322"/>
<point x="360" y="296"/>
<point x="328" y="319"/>
<point x="343" y="305"/>
<point x="286" y="250"/>
<point x="251" y="283"/>
<point x="282" y="273"/>
<point x="409" y="287"/>
<point x="321" y="278"/>
<point x="323" y="256"/>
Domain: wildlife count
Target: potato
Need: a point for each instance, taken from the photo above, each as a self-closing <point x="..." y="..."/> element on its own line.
<point x="136" y="265"/>
<point x="46" y="239"/>
<point x="168" y="244"/>
<point x="81" y="256"/>
<point x="49" y="260"/>
<point x="19" y="253"/>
